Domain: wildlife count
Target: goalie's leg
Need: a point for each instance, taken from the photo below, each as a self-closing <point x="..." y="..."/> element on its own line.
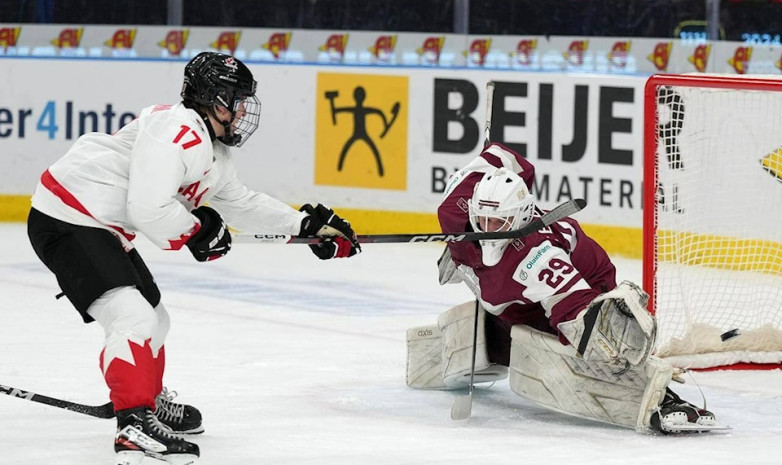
<point x="556" y="376"/>
<point x="439" y="356"/>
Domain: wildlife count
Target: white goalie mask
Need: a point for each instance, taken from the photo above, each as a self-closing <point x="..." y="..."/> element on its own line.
<point x="500" y="202"/>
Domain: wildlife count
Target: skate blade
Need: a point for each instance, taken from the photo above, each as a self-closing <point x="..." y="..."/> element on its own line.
<point x="137" y="458"/>
<point x="696" y="428"/>
<point x="180" y="459"/>
<point x="186" y="434"/>
<point x="128" y="457"/>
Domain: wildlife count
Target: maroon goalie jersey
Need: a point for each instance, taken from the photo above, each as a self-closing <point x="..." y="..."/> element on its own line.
<point x="556" y="272"/>
<point x="541" y="280"/>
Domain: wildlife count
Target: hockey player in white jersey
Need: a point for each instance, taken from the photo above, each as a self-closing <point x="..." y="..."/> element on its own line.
<point x="550" y="313"/>
<point x="153" y="177"/>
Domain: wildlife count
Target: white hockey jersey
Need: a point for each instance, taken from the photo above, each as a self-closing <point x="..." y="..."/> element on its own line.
<point x="149" y="175"/>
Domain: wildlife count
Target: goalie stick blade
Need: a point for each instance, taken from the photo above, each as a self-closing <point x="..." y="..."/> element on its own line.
<point x="462" y="407"/>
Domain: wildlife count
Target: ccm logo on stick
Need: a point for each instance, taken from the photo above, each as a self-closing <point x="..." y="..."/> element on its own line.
<point x="437" y="238"/>
<point x="271" y="237"/>
<point x="13" y="392"/>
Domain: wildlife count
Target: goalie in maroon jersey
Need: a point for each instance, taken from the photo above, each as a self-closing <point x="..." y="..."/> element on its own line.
<point x="550" y="311"/>
<point x="153" y="177"/>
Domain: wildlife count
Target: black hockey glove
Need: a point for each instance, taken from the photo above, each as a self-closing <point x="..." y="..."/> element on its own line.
<point x="338" y="241"/>
<point x="213" y="240"/>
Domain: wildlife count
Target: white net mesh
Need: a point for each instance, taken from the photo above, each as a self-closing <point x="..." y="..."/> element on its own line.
<point x="719" y="224"/>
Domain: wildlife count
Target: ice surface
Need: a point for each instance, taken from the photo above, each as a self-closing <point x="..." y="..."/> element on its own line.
<point x="297" y="361"/>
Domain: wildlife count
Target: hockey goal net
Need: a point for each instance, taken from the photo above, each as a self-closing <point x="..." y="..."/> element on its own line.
<point x="713" y="219"/>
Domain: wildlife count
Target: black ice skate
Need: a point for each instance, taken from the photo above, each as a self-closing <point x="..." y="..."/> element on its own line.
<point x="675" y="415"/>
<point x="140" y="434"/>
<point x="181" y="418"/>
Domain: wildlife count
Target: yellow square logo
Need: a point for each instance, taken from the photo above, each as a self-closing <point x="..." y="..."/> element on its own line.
<point x="361" y="131"/>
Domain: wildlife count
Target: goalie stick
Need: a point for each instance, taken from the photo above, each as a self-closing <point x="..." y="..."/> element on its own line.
<point x="462" y="405"/>
<point x="560" y="211"/>
<point x="98" y="411"/>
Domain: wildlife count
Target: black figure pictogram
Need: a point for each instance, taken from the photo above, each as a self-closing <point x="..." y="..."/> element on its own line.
<point x="360" y="113"/>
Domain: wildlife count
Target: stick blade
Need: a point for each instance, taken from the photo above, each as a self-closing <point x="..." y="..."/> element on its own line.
<point x="102" y="411"/>
<point x="462" y="407"/>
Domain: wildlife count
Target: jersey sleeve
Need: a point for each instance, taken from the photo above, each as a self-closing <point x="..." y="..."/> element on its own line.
<point x="157" y="168"/>
<point x="254" y="212"/>
<point x="498" y="155"/>
<point x="453" y="217"/>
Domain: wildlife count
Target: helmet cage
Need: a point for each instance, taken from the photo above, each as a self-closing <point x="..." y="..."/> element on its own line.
<point x="500" y="202"/>
<point x="245" y="116"/>
<point x="484" y="218"/>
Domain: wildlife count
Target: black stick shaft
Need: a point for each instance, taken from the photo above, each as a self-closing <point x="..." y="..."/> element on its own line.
<point x="98" y="411"/>
<point x="561" y="211"/>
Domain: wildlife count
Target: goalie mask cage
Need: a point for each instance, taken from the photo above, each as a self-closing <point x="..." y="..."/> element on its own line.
<point x="712" y="222"/>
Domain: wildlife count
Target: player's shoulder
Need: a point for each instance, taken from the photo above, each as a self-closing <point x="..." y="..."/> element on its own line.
<point x="532" y="248"/>
<point x="176" y="123"/>
<point x="171" y="112"/>
<point x="567" y="228"/>
<point x="521" y="245"/>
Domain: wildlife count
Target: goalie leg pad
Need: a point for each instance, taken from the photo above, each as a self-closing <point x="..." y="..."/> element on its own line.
<point x="457" y="326"/>
<point x="555" y="376"/>
<point x="435" y="361"/>
<point x="440" y="356"/>
<point x="616" y="326"/>
<point x="424" y="358"/>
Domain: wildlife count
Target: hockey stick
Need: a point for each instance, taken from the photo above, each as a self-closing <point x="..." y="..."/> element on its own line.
<point x="489" y="106"/>
<point x="462" y="405"/>
<point x="98" y="411"/>
<point x="560" y="211"/>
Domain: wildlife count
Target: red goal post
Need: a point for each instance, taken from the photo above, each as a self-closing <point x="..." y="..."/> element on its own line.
<point x="712" y="220"/>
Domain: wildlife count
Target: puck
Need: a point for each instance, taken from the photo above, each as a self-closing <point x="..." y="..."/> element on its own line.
<point x="729" y="334"/>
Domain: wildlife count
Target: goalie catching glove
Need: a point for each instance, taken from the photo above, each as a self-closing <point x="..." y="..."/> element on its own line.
<point x="615" y="327"/>
<point x="338" y="239"/>
<point x="212" y="240"/>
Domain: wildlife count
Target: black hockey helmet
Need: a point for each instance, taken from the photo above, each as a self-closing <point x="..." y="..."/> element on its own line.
<point x="212" y="79"/>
